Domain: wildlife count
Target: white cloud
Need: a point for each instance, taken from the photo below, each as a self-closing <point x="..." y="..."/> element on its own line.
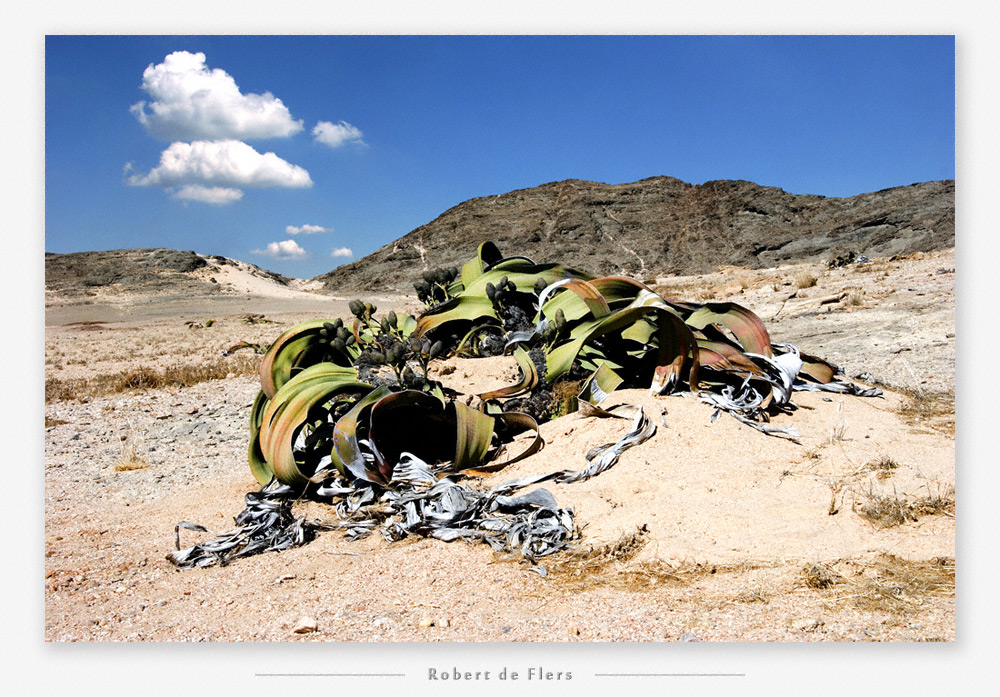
<point x="336" y="134"/>
<point x="306" y="229"/>
<point x="228" y="163"/>
<point x="342" y="252"/>
<point x="191" y="102"/>
<point x="218" y="195"/>
<point x="284" y="250"/>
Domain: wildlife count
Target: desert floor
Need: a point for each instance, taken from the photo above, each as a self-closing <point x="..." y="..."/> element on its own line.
<point x="710" y="531"/>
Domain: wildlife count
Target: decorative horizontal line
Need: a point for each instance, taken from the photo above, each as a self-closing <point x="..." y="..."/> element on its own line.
<point x="670" y="675"/>
<point x="330" y="675"/>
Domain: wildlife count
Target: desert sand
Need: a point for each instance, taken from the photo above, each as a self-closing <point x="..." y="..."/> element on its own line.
<point x="709" y="531"/>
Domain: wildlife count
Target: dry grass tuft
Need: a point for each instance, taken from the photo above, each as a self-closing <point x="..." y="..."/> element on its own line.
<point x="934" y="410"/>
<point x="805" y="279"/>
<point x="145" y="378"/>
<point x="604" y="566"/>
<point x="891" y="584"/>
<point x="612" y="565"/>
<point x="884" y="584"/>
<point x="889" y="510"/>
<point x="598" y="558"/>
<point x="129" y="458"/>
<point x="855" y="298"/>
<point x="884" y="510"/>
<point x="820" y="575"/>
<point x="941" y="501"/>
<point x="564" y="397"/>
<point x="882" y="467"/>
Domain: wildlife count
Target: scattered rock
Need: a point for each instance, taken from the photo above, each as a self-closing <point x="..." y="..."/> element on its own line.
<point x="305" y="625"/>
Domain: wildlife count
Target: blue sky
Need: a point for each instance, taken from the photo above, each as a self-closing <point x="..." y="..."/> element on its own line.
<point x="410" y="126"/>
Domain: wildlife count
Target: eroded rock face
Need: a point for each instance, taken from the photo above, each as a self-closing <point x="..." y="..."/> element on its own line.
<point x="663" y="225"/>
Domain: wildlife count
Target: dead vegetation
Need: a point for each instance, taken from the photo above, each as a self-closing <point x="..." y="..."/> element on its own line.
<point x="874" y="496"/>
<point x="929" y="409"/>
<point x="147" y="378"/>
<point x="882" y="467"/>
<point x="885" y="584"/>
<point x="805" y="279"/>
<point x="886" y="510"/>
<point x="612" y="565"/>
<point x="129" y="458"/>
<point x="608" y="565"/>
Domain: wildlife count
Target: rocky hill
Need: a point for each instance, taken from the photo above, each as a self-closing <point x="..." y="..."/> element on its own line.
<point x="663" y="226"/>
<point x="148" y="272"/>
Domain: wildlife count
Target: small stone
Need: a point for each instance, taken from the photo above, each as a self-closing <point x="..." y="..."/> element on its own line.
<point x="192" y="410"/>
<point x="305" y="625"/>
<point x="442" y="622"/>
<point x="689" y="636"/>
<point x="426" y="622"/>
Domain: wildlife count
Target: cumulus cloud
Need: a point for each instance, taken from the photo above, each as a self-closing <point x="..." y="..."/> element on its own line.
<point x="342" y="252"/>
<point x="336" y="134"/>
<point x="284" y="250"/>
<point x="191" y="102"/>
<point x="219" y="195"/>
<point x="306" y="229"/>
<point x="227" y="163"/>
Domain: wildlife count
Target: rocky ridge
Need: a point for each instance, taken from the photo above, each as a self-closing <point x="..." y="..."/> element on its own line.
<point x="663" y="225"/>
<point x="148" y="271"/>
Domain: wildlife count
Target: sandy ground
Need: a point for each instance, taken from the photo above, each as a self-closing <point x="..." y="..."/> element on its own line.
<point x="709" y="531"/>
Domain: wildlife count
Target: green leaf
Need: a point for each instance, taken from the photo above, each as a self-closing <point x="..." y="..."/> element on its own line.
<point x="295" y="349"/>
<point x="346" y="454"/>
<point x="469" y="308"/>
<point x="287" y="413"/>
<point x="674" y="342"/>
<point x="595" y="304"/>
<point x="259" y="467"/>
<point x="486" y="255"/>
<point x="529" y="378"/>
<point x="745" y="325"/>
<point x="816" y="368"/>
<point x="599" y="385"/>
<point x="474" y="433"/>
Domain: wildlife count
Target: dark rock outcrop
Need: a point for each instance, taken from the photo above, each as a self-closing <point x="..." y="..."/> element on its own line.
<point x="663" y="226"/>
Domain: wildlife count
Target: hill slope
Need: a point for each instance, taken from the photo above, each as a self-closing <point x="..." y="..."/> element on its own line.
<point x="663" y="225"/>
<point x="151" y="272"/>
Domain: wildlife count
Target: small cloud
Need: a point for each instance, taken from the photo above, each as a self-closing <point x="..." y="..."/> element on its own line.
<point x="337" y="134"/>
<point x="226" y="163"/>
<point x="306" y="229"/>
<point x="191" y="102"/>
<point x="284" y="250"/>
<point x="218" y="195"/>
<point x="342" y="252"/>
